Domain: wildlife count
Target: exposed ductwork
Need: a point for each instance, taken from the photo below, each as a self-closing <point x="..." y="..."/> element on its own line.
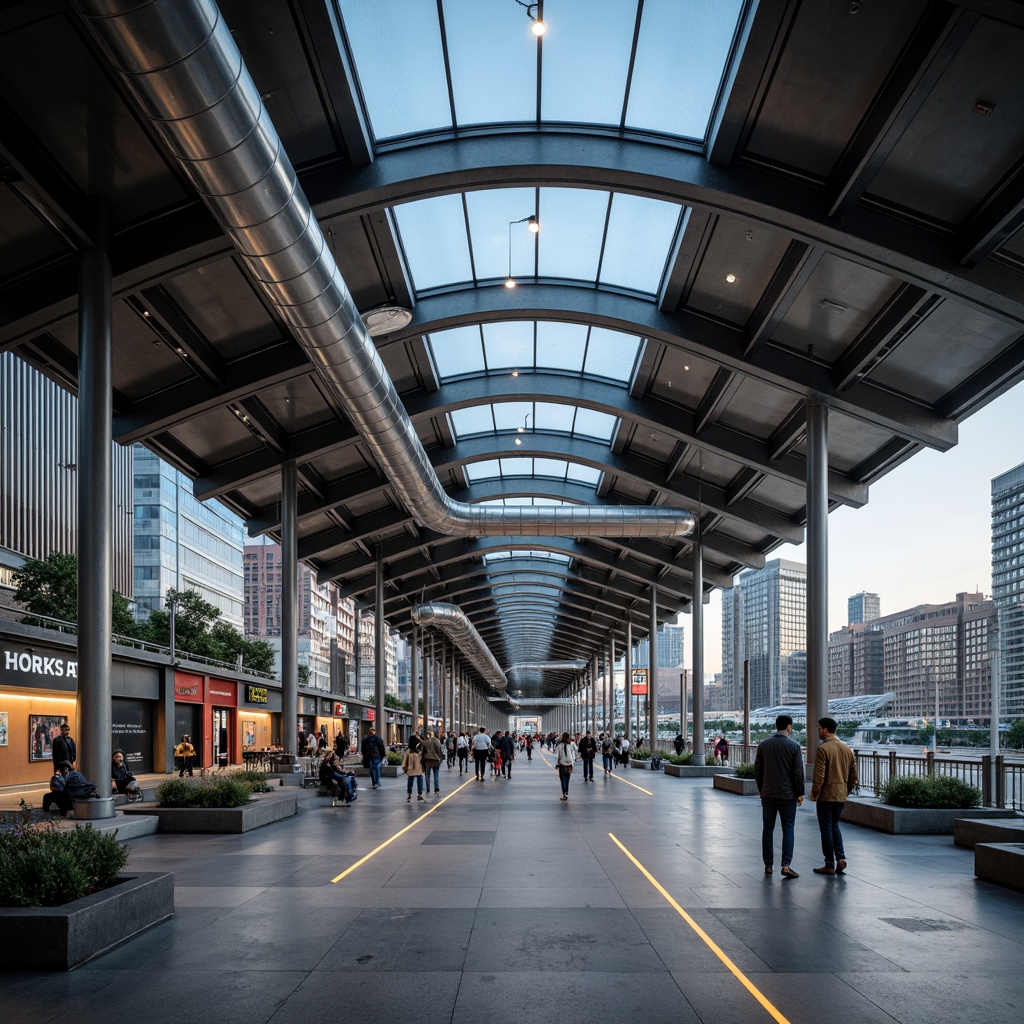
<point x="180" y="62"/>
<point x="452" y="620"/>
<point x="548" y="666"/>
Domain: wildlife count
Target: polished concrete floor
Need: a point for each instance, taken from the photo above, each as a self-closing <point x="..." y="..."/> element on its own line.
<point x="506" y="904"/>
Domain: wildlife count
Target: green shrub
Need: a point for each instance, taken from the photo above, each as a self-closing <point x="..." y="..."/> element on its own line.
<point x="941" y="792"/>
<point x="640" y="754"/>
<point x="394" y="757"/>
<point x="679" y="758"/>
<point x="744" y="771"/>
<point x="48" y="867"/>
<point x="256" y="781"/>
<point x="223" y="792"/>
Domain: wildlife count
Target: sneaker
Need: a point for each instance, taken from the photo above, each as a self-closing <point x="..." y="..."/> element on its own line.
<point x="334" y="803"/>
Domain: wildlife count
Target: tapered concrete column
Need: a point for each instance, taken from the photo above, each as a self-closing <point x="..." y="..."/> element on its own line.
<point x="95" y="410"/>
<point x="414" y="682"/>
<point x="357" y="657"/>
<point x="817" y="572"/>
<point x="611" y="684"/>
<point x="627" y="693"/>
<point x="593" y="689"/>
<point x="428" y="676"/>
<point x="379" y="661"/>
<point x="697" y="617"/>
<point x="289" y="609"/>
<point x="652" y="673"/>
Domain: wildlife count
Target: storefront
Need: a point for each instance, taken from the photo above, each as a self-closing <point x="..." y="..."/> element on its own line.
<point x="188" y="713"/>
<point x="307" y="722"/>
<point x="222" y="700"/>
<point x="259" y="713"/>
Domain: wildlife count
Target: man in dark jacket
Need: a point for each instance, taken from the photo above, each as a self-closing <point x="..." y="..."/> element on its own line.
<point x="779" y="771"/>
<point x="507" y="746"/>
<point x="66" y="786"/>
<point x="588" y="751"/>
<point x="64" y="747"/>
<point x="374" y="752"/>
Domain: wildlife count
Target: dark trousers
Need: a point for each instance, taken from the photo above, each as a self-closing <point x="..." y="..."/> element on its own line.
<point x="57" y="801"/>
<point x="506" y="767"/>
<point x="786" y="811"/>
<point x="480" y="757"/>
<point x="829" y="812"/>
<point x="588" y="769"/>
<point x="564" y="775"/>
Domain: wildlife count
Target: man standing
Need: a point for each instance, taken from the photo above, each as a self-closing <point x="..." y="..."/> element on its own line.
<point x="481" y="744"/>
<point x="432" y="754"/>
<point x="588" y="751"/>
<point x="835" y="774"/>
<point x="507" y="745"/>
<point x="64" y="747"/>
<point x="372" y="749"/>
<point x="779" y="771"/>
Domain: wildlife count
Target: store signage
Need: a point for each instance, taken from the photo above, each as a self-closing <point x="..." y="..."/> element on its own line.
<point x="221" y="693"/>
<point x="369" y="714"/>
<point x="340" y="710"/>
<point x="32" y="664"/>
<point x="256" y="695"/>
<point x="639" y="681"/>
<point x="188" y="688"/>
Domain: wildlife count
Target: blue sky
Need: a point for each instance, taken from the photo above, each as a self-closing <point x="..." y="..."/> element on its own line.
<point x="924" y="535"/>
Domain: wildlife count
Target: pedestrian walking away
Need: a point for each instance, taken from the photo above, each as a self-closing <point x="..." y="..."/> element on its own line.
<point x="779" y="773"/>
<point x="508" y="754"/>
<point x="835" y="775"/>
<point x="433" y="755"/>
<point x="412" y="766"/>
<point x="481" y="745"/>
<point x="374" y="752"/>
<point x="567" y="754"/>
<point x="462" y="749"/>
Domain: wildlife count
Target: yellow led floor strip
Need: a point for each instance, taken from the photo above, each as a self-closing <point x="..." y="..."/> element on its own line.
<point x="776" y="1015"/>
<point x="388" y="842"/>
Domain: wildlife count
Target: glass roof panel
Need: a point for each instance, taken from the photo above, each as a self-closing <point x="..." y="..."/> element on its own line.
<point x="561" y="346"/>
<point x="590" y="423"/>
<point x="553" y="556"/>
<point x="493" y="57"/>
<point x="511" y="415"/>
<point x="572" y="226"/>
<point x="433" y="234"/>
<point x="508" y="345"/>
<point x="640" y="233"/>
<point x="486" y="470"/>
<point x="680" y="61"/>
<point x="397" y="47"/>
<point x="586" y="83"/>
<point x="457" y="351"/>
<point x="550" y="467"/>
<point x="611" y="354"/>
<point x="491" y="213"/>
<point x="549" y="416"/>
<point x="475" y="420"/>
<point x="583" y="474"/>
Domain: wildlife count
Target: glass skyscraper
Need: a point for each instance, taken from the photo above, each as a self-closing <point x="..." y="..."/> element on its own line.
<point x="862" y="607"/>
<point x="1008" y="584"/>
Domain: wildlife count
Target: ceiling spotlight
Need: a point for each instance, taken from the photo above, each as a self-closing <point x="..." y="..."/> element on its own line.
<point x="731" y="278"/>
<point x="519" y="440"/>
<point x="515" y="373"/>
<point x="509" y="283"/>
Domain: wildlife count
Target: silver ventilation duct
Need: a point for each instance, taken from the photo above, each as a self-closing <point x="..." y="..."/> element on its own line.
<point x="548" y="666"/>
<point x="452" y="620"/>
<point x="179" y="61"/>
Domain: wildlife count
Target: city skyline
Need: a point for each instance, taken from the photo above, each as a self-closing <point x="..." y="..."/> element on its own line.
<point x="909" y="544"/>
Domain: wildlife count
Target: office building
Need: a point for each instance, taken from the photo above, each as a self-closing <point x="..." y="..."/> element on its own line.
<point x="764" y="623"/>
<point x="38" y="475"/>
<point x="182" y="543"/>
<point x="1008" y="584"/>
<point x="670" y="649"/>
<point x="863" y="607"/>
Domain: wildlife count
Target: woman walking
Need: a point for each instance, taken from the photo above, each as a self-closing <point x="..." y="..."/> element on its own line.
<point x="412" y="766"/>
<point x="567" y="754"/>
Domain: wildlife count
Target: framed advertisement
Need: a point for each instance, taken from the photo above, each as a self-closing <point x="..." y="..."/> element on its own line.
<point x="248" y="734"/>
<point x="4" y="723"/>
<point x="42" y="729"/>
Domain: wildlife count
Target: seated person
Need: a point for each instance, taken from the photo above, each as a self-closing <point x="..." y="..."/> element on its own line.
<point x="122" y="779"/>
<point x="66" y="786"/>
<point x="342" y="784"/>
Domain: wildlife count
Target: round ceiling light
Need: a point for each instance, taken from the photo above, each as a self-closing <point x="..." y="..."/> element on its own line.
<point x="385" y="319"/>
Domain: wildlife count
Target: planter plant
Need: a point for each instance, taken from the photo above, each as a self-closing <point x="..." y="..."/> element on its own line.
<point x="226" y="792"/>
<point x="394" y="758"/>
<point x="744" y="771"/>
<point x="938" y="793"/>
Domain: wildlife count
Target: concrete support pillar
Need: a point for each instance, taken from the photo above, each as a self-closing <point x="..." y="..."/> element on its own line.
<point x="379" y="661"/>
<point x="95" y="526"/>
<point x="289" y="609"/>
<point x="652" y="674"/>
<point x="628" y="692"/>
<point x="414" y="682"/>
<point x="593" y="693"/>
<point x="697" y="616"/>
<point x="817" y="572"/>
<point x="611" y="684"/>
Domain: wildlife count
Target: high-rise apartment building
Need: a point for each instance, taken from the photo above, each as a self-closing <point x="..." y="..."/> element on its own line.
<point x="38" y="475"/>
<point x="931" y="654"/>
<point x="862" y="607"/>
<point x="182" y="543"/>
<point x="764" y="622"/>
<point x="1008" y="584"/>
<point x="670" y="649"/>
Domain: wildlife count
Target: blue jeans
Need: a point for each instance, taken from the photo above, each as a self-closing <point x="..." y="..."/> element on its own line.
<point x="374" y="771"/>
<point x="419" y="784"/>
<point x="432" y="770"/>
<point x="344" y="785"/>
<point x="606" y="760"/>
<point x="829" y="812"/>
<point x="786" y="810"/>
<point x="564" y="775"/>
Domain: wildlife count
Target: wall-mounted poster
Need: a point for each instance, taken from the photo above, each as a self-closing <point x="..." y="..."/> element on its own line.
<point x="3" y="728"/>
<point x="248" y="734"/>
<point x="42" y="729"/>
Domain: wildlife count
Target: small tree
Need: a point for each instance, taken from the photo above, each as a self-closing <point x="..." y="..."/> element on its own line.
<point x="1015" y="737"/>
<point x="49" y="586"/>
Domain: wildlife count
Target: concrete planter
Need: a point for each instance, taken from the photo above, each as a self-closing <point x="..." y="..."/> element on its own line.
<point x="919" y="821"/>
<point x="634" y="763"/>
<point x="731" y="784"/>
<point x="1002" y="863"/>
<point x="59" y="938"/>
<point x="263" y="809"/>
<point x="387" y="771"/>
<point x="696" y="771"/>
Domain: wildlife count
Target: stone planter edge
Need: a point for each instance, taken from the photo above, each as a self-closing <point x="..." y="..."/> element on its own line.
<point x="61" y="938"/>
<point x="732" y="784"/>
<point x="695" y="771"/>
<point x="869" y="812"/>
<point x="263" y="809"/>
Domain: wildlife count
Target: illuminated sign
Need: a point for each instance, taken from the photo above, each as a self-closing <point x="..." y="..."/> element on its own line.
<point x="30" y="663"/>
<point x="256" y="695"/>
<point x="639" y="681"/>
<point x="341" y="710"/>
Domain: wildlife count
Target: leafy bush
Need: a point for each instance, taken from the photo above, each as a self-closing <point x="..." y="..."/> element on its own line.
<point x="394" y="758"/>
<point x="941" y="792"/>
<point x="47" y="867"/>
<point x="225" y="792"/>
<point x="679" y="758"/>
<point x="640" y="754"/>
<point x="256" y="781"/>
<point x="744" y="771"/>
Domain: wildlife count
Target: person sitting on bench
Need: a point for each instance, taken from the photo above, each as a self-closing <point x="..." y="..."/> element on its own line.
<point x="66" y="786"/>
<point x="342" y="784"/>
<point x="122" y="779"/>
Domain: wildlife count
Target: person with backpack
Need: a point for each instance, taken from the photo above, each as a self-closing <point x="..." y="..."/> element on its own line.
<point x="566" y="757"/>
